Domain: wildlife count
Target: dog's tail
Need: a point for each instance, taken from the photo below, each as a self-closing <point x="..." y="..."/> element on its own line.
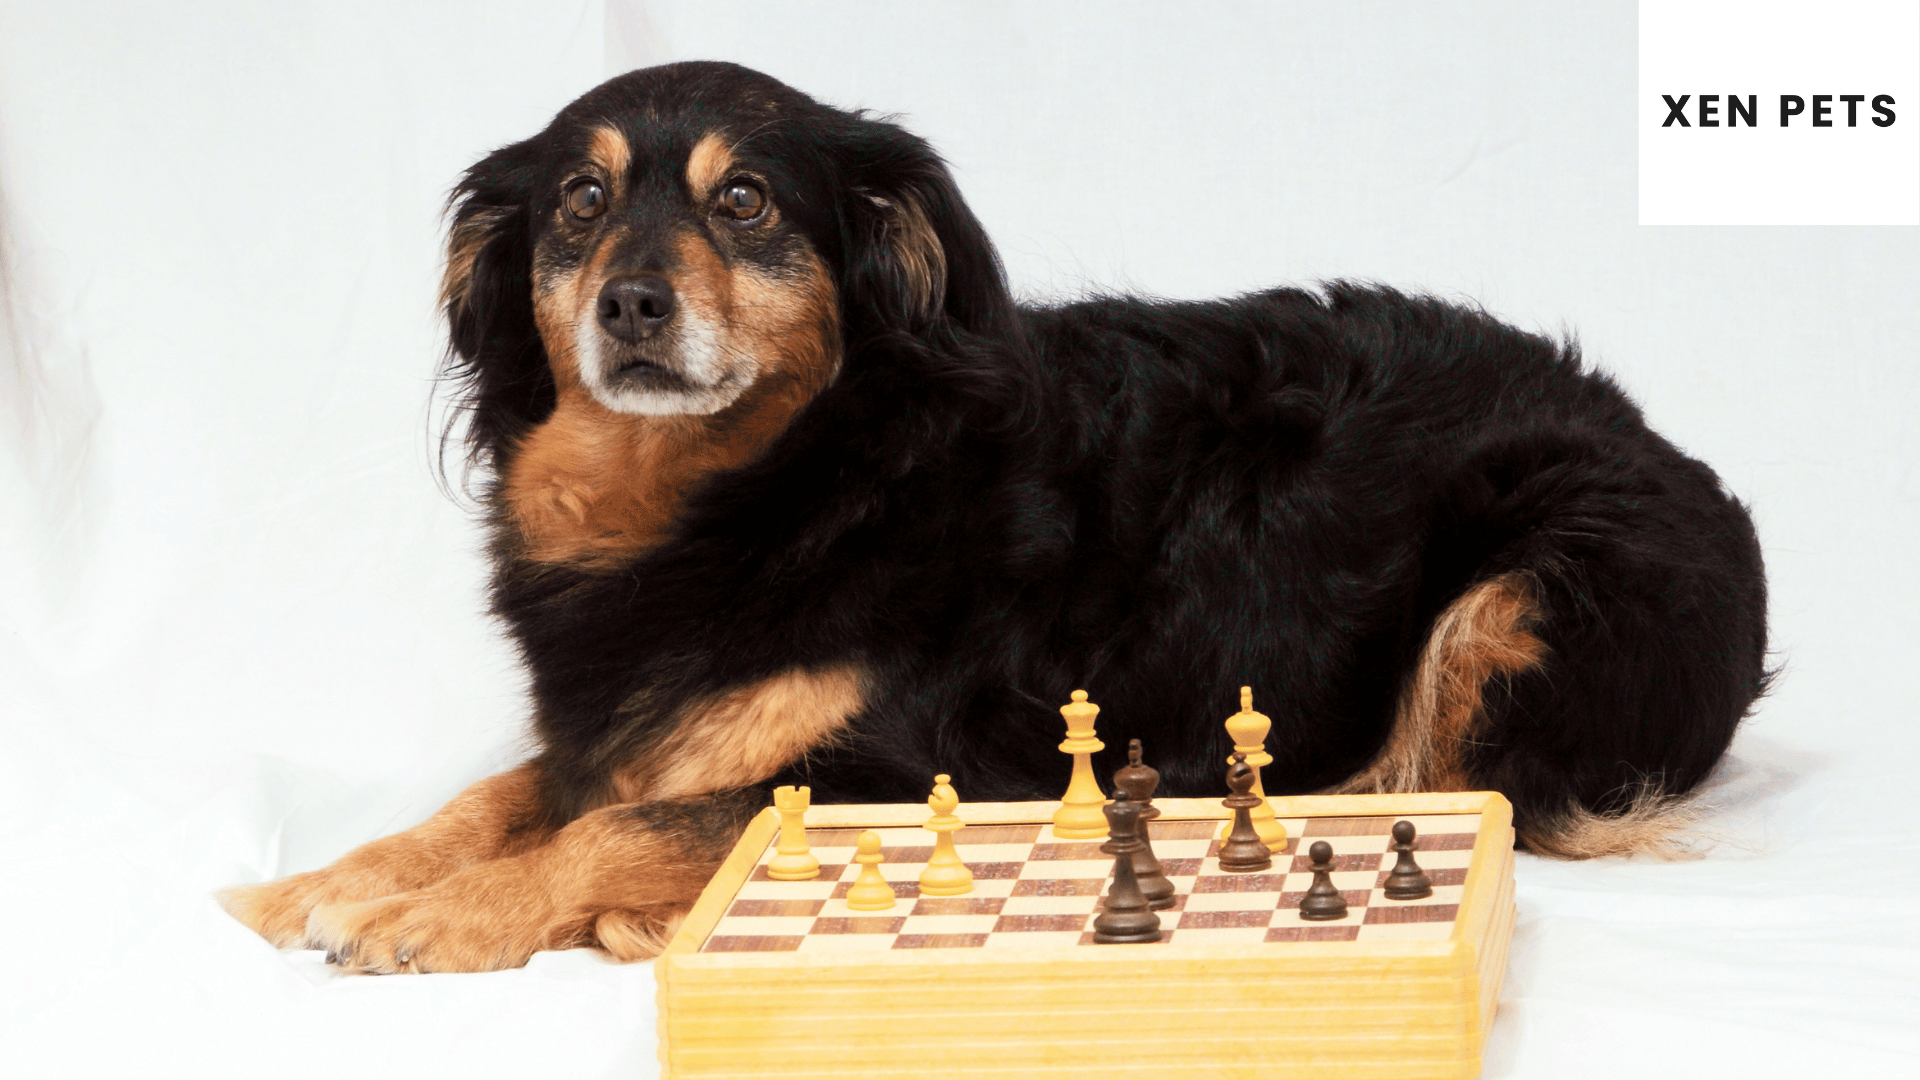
<point x="1653" y="823"/>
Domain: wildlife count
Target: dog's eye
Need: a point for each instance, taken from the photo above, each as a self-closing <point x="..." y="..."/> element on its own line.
<point x="743" y="201"/>
<point x="586" y="199"/>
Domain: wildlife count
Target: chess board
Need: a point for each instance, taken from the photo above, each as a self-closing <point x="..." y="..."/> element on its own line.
<point x="781" y="977"/>
<point x="1031" y="890"/>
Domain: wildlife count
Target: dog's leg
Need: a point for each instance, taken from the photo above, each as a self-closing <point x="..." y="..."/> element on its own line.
<point x="479" y="824"/>
<point x="620" y="877"/>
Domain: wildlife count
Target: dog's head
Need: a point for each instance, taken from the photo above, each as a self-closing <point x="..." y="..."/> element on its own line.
<point x="684" y="237"/>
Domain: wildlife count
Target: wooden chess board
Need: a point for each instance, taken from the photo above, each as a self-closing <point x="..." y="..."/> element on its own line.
<point x="1031" y="890"/>
<point x="779" y="977"/>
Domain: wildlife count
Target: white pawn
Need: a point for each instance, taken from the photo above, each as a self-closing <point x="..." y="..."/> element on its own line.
<point x="870" y="891"/>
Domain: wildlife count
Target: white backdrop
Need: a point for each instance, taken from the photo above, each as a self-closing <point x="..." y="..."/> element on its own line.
<point x="241" y="630"/>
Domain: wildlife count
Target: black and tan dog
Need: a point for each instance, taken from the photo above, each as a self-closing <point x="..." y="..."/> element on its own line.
<point x="785" y="487"/>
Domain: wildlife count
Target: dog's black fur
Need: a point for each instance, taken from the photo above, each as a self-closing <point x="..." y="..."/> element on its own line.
<point x="993" y="504"/>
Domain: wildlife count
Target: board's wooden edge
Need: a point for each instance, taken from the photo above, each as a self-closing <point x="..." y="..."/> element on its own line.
<point x="895" y="815"/>
<point x="705" y="915"/>
<point x="726" y="881"/>
<point x="1402" y="805"/>
<point x="915" y="1067"/>
<point x="898" y="815"/>
<point x="1016" y="1049"/>
<point x="1491" y="969"/>
<point x="1330" y="956"/>
<point x="1492" y="853"/>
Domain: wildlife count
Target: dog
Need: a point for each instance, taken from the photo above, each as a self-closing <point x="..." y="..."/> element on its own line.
<point x="784" y="487"/>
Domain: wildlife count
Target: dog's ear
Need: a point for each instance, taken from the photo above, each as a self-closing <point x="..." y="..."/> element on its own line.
<point x="478" y="257"/>
<point x="918" y="256"/>
<point x="497" y="360"/>
<point x="919" y="259"/>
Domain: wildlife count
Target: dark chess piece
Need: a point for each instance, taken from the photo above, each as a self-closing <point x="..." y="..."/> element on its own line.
<point x="1322" y="901"/>
<point x="1407" y="881"/>
<point x="1242" y="853"/>
<point x="1138" y="782"/>
<point x="1125" y="918"/>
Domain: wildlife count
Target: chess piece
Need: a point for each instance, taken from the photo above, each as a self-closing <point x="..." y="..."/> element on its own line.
<point x="1079" y="816"/>
<point x="945" y="874"/>
<point x="1242" y="852"/>
<point x="1322" y="901"/>
<point x="793" y="860"/>
<point x="1249" y="732"/>
<point x="870" y="891"/>
<point x="1407" y="881"/>
<point x="1136" y="782"/>
<point x="1125" y="917"/>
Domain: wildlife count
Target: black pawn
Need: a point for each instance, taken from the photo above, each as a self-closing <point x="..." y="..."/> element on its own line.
<point x="1322" y="901"/>
<point x="1408" y="881"/>
<point x="1243" y="852"/>
<point x="1125" y="918"/>
<point x="1138" y="781"/>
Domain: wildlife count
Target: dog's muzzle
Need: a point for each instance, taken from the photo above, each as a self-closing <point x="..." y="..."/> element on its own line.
<point x="633" y="309"/>
<point x="642" y="350"/>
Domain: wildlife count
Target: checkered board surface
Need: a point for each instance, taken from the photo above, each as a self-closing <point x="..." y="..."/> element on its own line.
<point x="1033" y="890"/>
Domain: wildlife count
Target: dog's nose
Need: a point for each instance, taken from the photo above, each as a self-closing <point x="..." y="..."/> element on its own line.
<point x="635" y="308"/>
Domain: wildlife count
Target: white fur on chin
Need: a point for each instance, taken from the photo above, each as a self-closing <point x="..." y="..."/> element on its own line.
<point x="715" y="376"/>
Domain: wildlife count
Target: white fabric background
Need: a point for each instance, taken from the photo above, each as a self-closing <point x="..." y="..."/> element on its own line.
<point x="241" y="630"/>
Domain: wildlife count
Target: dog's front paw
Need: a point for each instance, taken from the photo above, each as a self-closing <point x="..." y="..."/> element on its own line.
<point x="278" y="910"/>
<point x="458" y="925"/>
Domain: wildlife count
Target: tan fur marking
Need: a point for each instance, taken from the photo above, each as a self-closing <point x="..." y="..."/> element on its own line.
<point x="921" y="256"/>
<point x="557" y="306"/>
<point x="468" y="238"/>
<point x="591" y="486"/>
<point x="745" y="735"/>
<point x="579" y="889"/>
<point x="792" y="319"/>
<point x="1485" y="633"/>
<point x="472" y="828"/>
<point x="709" y="164"/>
<point x="609" y="150"/>
<point x="702" y="283"/>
